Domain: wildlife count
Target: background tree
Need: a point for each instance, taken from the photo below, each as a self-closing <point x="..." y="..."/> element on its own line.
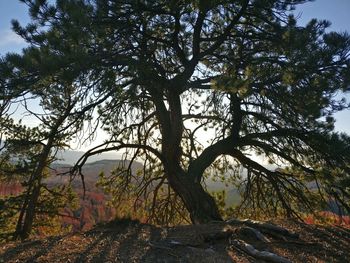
<point x="243" y="73"/>
<point x="26" y="158"/>
<point x="28" y="152"/>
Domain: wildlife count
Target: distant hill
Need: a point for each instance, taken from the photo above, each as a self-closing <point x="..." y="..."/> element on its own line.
<point x="90" y="171"/>
<point x="93" y="208"/>
<point x="71" y="157"/>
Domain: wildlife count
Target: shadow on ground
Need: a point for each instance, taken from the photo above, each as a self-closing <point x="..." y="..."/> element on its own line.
<point x="130" y="241"/>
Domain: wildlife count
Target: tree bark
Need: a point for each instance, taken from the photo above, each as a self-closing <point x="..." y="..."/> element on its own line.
<point x="30" y="213"/>
<point x="24" y="229"/>
<point x="200" y="205"/>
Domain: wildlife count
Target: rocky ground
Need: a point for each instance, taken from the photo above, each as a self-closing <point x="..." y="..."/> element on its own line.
<point x="236" y="241"/>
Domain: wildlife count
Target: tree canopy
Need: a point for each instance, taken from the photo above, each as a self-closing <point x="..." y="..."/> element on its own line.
<point x="157" y="75"/>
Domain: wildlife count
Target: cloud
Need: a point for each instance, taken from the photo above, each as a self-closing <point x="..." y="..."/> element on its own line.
<point x="8" y="38"/>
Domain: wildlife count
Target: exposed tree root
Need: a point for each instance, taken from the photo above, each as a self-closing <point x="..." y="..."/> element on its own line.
<point x="254" y="230"/>
<point x="264" y="227"/>
<point x="249" y="231"/>
<point x="263" y="255"/>
<point x="242" y="235"/>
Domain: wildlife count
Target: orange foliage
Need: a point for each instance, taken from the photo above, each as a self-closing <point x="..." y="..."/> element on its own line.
<point x="329" y="218"/>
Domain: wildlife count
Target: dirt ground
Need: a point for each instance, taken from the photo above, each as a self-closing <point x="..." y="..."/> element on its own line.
<point x="130" y="241"/>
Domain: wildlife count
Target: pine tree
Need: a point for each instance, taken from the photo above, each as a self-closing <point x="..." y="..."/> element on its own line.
<point x="243" y="73"/>
<point x="27" y="155"/>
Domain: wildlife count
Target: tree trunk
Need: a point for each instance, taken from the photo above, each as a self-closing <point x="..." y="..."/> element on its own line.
<point x="199" y="203"/>
<point x="24" y="228"/>
<point x="30" y="213"/>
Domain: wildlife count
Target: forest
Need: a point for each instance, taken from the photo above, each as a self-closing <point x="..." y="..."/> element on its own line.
<point x="191" y="94"/>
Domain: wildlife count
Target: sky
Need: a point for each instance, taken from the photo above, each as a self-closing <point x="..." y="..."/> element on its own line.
<point x="336" y="11"/>
<point x="11" y="9"/>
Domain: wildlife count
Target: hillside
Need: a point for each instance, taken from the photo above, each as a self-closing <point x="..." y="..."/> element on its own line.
<point x="130" y="241"/>
<point x="92" y="207"/>
<point x="92" y="204"/>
